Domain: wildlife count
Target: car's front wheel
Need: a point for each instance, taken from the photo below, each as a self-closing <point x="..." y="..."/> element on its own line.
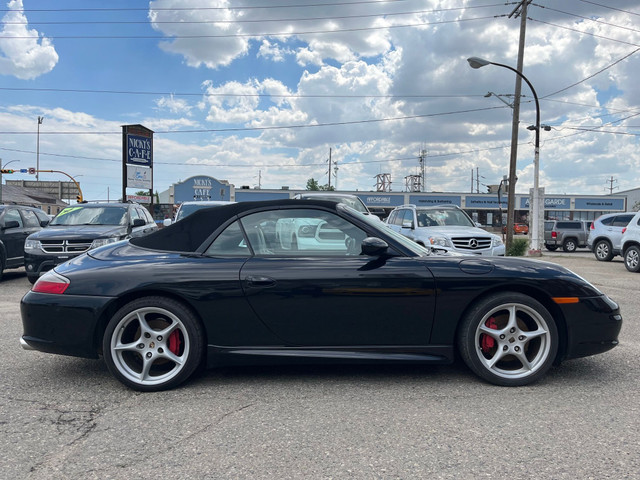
<point x="603" y="251"/>
<point x="153" y="343"/>
<point x="508" y="339"/>
<point x="632" y="259"/>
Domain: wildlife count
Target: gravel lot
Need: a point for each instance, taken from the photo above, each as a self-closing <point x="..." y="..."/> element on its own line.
<point x="64" y="417"/>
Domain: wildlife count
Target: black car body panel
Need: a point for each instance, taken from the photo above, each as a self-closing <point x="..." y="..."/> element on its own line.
<point x="403" y="306"/>
<point x="17" y="222"/>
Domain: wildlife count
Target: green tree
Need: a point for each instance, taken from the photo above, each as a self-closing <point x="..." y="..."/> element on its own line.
<point x="312" y="184"/>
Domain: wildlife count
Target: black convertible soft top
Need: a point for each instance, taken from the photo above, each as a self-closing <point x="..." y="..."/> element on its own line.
<point x="188" y="234"/>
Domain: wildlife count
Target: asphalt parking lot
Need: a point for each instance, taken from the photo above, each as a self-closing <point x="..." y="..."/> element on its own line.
<point x="64" y="417"/>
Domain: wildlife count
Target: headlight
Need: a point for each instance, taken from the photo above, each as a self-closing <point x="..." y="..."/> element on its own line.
<point x="99" y="242"/>
<point x="32" y="245"/>
<point x="440" y="242"/>
<point x="496" y="242"/>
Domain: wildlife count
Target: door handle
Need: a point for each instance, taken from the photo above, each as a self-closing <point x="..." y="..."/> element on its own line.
<point x="260" y="281"/>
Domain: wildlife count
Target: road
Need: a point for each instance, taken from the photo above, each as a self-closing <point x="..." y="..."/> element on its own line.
<point x="63" y="417"/>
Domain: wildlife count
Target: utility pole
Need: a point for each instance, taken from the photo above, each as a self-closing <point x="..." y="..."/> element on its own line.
<point x="513" y="160"/>
<point x="611" y="181"/>
<point x="329" y="168"/>
<point x="40" y="119"/>
<point x="422" y="158"/>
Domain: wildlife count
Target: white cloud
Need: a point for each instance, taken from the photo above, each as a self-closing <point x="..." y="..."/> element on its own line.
<point x="174" y="105"/>
<point x="22" y="57"/>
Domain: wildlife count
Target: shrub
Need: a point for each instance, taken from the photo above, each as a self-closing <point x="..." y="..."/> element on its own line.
<point x="518" y="247"/>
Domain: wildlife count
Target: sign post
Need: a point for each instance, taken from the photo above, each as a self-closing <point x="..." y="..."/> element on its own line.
<point x="137" y="159"/>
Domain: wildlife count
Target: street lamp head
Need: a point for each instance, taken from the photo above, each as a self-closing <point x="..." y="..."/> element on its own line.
<point x="476" y="62"/>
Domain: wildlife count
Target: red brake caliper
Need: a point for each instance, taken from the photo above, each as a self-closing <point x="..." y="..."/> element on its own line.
<point x="487" y="342"/>
<point x="174" y="342"/>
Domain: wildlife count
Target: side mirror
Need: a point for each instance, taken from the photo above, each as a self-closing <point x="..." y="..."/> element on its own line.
<point x="166" y="222"/>
<point x="44" y="223"/>
<point x="407" y="224"/>
<point x="374" y="247"/>
<point x="138" y="222"/>
<point x="11" y="224"/>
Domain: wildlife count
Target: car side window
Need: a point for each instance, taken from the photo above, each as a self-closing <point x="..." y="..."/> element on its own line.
<point x="13" y="214"/>
<point x="230" y="243"/>
<point x="302" y="232"/>
<point x="607" y="221"/>
<point x="30" y="218"/>
<point x="622" y="220"/>
<point x="392" y="217"/>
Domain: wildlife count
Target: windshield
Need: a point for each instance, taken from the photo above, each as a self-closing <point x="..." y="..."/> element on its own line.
<point x="443" y="218"/>
<point x="406" y="242"/>
<point x="79" y="215"/>
<point x="187" y="209"/>
<point x="353" y="202"/>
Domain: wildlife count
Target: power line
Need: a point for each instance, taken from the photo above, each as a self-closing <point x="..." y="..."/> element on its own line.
<point x="273" y="127"/>
<point x="609" y="7"/>
<point x="239" y="35"/>
<point x="588" y="18"/>
<point x="240" y="21"/>
<point x="583" y="32"/>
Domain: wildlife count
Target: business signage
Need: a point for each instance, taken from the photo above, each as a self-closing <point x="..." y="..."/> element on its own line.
<point x="138" y="145"/>
<point x="138" y="177"/>
<point x="429" y="200"/>
<point x="201" y="188"/>
<point x="381" y="200"/>
<point x="550" y="203"/>
<point x="485" y="201"/>
<point x="600" y="203"/>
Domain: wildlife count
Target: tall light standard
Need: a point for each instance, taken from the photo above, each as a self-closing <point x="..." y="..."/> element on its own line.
<point x="476" y="62"/>
<point x="40" y="119"/>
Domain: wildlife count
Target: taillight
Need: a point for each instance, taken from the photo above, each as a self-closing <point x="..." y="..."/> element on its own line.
<point x="51" y="282"/>
<point x="624" y="229"/>
<point x="592" y="227"/>
<point x="554" y="234"/>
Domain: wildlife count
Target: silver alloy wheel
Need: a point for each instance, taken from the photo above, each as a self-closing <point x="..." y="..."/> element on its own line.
<point x="513" y="341"/>
<point x="150" y="346"/>
<point x="632" y="259"/>
<point x="602" y="250"/>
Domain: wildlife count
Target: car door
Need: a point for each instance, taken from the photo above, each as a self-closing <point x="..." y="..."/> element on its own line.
<point x="615" y="229"/>
<point x="325" y="296"/>
<point x="14" y="237"/>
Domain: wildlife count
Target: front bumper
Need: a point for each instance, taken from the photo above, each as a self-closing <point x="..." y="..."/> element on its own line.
<point x="35" y="264"/>
<point x="593" y="326"/>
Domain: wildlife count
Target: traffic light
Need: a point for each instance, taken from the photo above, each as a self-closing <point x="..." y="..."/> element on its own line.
<point x="79" y="198"/>
<point x="6" y="171"/>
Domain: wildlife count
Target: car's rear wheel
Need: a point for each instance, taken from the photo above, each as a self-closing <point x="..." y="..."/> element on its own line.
<point x="603" y="251"/>
<point x="632" y="259"/>
<point x="153" y="343"/>
<point x="508" y="339"/>
<point x="569" y="245"/>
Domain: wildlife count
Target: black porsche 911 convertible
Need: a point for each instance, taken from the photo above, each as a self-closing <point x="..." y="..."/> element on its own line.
<point x="309" y="281"/>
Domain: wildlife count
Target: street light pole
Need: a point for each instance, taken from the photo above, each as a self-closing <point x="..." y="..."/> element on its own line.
<point x="476" y="62"/>
<point x="40" y="119"/>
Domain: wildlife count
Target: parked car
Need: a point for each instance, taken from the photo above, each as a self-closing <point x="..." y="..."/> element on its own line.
<point x="187" y="208"/>
<point x="605" y="235"/>
<point x="217" y="290"/>
<point x="352" y="201"/>
<point x="445" y="227"/>
<point x="518" y="228"/>
<point x="630" y="244"/>
<point x="79" y="228"/>
<point x="17" y="222"/>
<point x="568" y="234"/>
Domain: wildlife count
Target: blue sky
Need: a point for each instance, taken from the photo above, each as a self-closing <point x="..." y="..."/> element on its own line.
<point x="248" y="90"/>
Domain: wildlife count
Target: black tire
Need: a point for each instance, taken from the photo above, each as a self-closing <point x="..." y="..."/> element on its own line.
<point x="153" y="344"/>
<point x="32" y="278"/>
<point x="632" y="258"/>
<point x="551" y="248"/>
<point x="603" y="251"/>
<point x="508" y="339"/>
<point x="570" y="245"/>
<point x="1" y="266"/>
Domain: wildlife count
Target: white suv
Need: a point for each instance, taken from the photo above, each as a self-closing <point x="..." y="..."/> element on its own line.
<point x="446" y="227"/>
<point x="630" y="246"/>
